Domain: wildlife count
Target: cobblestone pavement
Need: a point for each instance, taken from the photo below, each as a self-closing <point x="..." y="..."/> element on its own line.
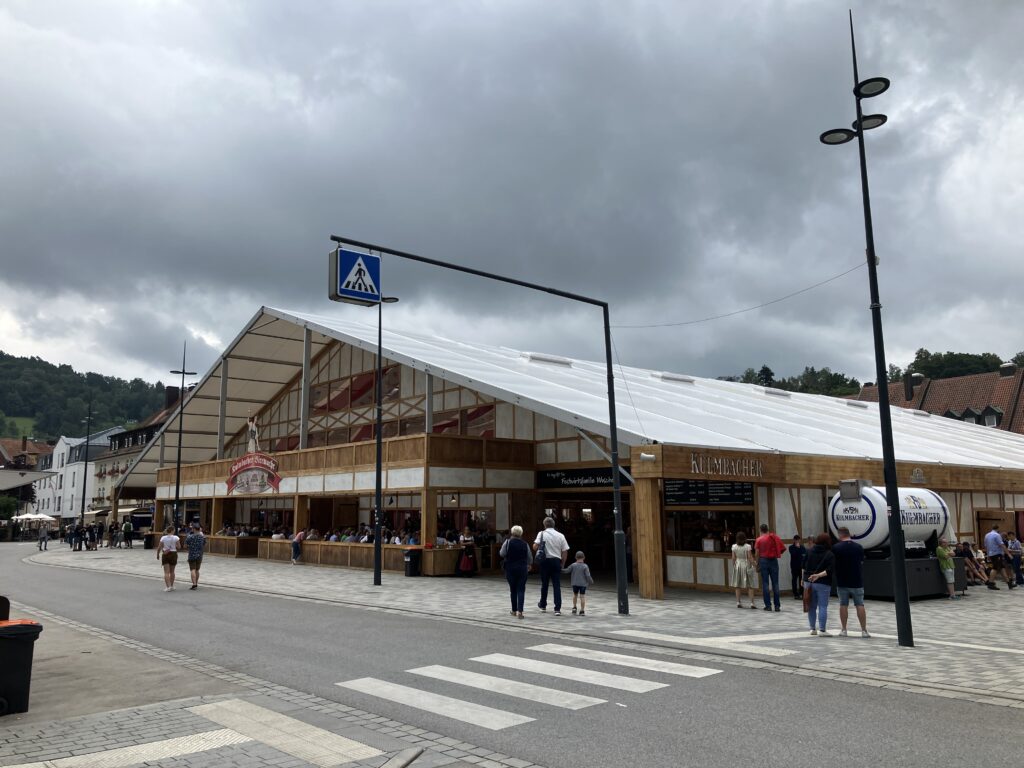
<point x="258" y="725"/>
<point x="967" y="649"/>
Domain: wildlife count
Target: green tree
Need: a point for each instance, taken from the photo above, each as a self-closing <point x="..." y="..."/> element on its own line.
<point x="8" y="507"/>
<point x="765" y="376"/>
<point x="749" y="376"/>
<point x="1018" y="359"/>
<point x="945" y="365"/>
<point x="895" y="372"/>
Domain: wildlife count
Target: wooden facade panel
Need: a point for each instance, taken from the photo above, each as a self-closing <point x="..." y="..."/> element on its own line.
<point x="340" y="456"/>
<point x="647" y="539"/>
<point x="508" y="453"/>
<point x="456" y="451"/>
<point x="406" y="449"/>
<point x="364" y="454"/>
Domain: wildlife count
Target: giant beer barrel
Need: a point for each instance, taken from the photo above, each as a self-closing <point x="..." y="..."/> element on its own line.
<point x="923" y="513"/>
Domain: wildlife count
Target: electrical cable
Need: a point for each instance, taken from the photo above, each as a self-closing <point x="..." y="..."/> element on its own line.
<point x="748" y="309"/>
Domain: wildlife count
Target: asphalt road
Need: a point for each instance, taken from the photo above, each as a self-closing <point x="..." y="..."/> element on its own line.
<point x="740" y="716"/>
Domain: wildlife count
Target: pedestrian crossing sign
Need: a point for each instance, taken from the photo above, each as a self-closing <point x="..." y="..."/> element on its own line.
<point x="355" y="277"/>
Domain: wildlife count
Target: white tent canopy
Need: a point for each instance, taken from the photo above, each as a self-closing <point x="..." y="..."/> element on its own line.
<point x="651" y="405"/>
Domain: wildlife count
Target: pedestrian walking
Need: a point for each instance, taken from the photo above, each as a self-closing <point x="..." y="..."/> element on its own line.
<point x="579" y="580"/>
<point x="517" y="559"/>
<point x="195" y="542"/>
<point x="1013" y="546"/>
<point x="550" y="550"/>
<point x="998" y="558"/>
<point x="44" y="536"/>
<point x="849" y="572"/>
<point x="818" y="573"/>
<point x="945" y="558"/>
<point x="769" y="548"/>
<point x="297" y="540"/>
<point x="797" y="558"/>
<point x="126" y="531"/>
<point x="167" y="556"/>
<point x="100" y="529"/>
<point x="743" y="569"/>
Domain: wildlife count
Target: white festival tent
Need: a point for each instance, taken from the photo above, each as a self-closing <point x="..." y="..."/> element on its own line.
<point x="652" y="406"/>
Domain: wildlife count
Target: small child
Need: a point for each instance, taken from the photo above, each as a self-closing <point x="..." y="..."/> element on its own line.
<point x="580" y="579"/>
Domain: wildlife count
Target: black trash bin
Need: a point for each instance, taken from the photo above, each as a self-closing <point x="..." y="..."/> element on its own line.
<point x="17" y="640"/>
<point x="413" y="558"/>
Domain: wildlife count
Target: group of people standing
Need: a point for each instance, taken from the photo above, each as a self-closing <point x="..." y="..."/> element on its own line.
<point x="90" y="537"/>
<point x="548" y="555"/>
<point x="813" y="573"/>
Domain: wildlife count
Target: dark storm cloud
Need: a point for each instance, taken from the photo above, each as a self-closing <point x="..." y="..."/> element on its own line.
<point x="661" y="155"/>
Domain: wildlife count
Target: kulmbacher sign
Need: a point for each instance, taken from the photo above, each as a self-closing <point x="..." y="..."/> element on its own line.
<point x="254" y="473"/>
<point x="709" y="465"/>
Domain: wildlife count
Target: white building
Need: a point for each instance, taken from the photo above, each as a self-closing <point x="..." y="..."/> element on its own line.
<point x="60" y="495"/>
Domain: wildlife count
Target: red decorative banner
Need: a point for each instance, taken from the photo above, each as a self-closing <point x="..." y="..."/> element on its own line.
<point x="254" y="473"/>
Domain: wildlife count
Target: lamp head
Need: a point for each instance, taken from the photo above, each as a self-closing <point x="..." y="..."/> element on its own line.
<point x="867" y="122"/>
<point x="837" y="136"/>
<point x="873" y="86"/>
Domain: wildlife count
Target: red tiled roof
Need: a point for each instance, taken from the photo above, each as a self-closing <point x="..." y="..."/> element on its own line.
<point x="977" y="391"/>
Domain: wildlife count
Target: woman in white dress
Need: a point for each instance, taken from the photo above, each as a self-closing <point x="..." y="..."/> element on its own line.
<point x="743" y="569"/>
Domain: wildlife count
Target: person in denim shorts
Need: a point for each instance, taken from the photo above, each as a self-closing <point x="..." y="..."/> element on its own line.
<point x="850" y="580"/>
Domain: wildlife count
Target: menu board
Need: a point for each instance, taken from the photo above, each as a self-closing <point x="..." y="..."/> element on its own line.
<point x="704" y="493"/>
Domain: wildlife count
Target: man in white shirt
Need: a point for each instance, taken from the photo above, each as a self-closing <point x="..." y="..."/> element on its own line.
<point x="998" y="558"/>
<point x="556" y="549"/>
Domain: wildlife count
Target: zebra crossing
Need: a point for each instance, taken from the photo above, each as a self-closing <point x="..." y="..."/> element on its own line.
<point x="495" y="719"/>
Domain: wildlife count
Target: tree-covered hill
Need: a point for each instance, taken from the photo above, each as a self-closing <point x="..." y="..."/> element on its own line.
<point x="56" y="397"/>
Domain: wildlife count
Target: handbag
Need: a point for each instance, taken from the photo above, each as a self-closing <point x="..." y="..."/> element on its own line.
<point x="807" y="597"/>
<point x="538" y="558"/>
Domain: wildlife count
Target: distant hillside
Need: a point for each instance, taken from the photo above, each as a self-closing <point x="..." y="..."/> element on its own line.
<point x="55" y="398"/>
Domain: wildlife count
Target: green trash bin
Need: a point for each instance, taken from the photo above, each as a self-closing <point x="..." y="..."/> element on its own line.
<point x="17" y="641"/>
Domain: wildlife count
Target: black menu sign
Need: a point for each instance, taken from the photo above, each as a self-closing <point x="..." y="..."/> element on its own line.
<point x="702" y="493"/>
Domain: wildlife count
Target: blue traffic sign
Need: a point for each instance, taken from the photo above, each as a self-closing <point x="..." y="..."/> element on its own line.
<point x="355" y="277"/>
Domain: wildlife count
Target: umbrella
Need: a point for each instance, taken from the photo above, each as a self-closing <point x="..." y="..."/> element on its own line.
<point x="34" y="516"/>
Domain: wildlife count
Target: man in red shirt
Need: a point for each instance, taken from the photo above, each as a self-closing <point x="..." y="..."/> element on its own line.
<point x="769" y="549"/>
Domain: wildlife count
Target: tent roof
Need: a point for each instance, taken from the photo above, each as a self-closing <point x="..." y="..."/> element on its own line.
<point x="651" y="405"/>
<point x="15" y="478"/>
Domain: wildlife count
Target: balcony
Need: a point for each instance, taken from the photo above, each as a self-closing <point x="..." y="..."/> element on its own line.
<point x="411" y="451"/>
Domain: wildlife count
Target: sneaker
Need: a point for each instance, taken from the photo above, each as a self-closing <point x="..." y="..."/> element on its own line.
<point x="991" y="585"/>
<point x="738" y="605"/>
<point x="573" y="611"/>
<point x="824" y="633"/>
<point x="954" y="597"/>
<point x="167" y="589"/>
<point x="542" y="608"/>
<point x="767" y="608"/>
<point x="558" y="613"/>
<point x="842" y="633"/>
<point x="864" y="633"/>
<point x="753" y="607"/>
<point x="778" y="609"/>
<point x="1011" y="585"/>
<point x="193" y="586"/>
<point x="583" y="613"/>
<point x="814" y="631"/>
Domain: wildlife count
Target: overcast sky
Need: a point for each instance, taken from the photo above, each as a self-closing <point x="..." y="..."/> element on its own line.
<point x="169" y="166"/>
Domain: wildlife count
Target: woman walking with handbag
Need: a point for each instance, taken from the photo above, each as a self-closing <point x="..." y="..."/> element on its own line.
<point x="517" y="559"/>
<point x="818" y="573"/>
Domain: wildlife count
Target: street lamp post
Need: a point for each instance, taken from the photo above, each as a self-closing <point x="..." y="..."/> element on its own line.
<point x="864" y="90"/>
<point x="181" y="421"/>
<point x="85" y="458"/>
<point x="379" y="493"/>
<point x="618" y="535"/>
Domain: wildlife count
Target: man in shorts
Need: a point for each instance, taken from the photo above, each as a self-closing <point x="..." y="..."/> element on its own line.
<point x="850" y="580"/>
<point x="195" y="541"/>
<point x="945" y="558"/>
<point x="998" y="557"/>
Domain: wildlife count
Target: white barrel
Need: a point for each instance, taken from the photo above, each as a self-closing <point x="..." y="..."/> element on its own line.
<point x="922" y="512"/>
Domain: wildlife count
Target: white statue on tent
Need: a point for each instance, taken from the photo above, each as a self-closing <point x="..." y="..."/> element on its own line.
<point x="253" y="444"/>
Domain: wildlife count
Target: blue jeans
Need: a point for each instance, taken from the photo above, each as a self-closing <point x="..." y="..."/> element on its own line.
<point x="769" y="568"/>
<point x="551" y="570"/>
<point x="1015" y="562"/>
<point x="516" y="578"/>
<point x="819" y="600"/>
<point x="296" y="550"/>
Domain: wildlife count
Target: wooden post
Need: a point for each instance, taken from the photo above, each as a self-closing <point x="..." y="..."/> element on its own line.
<point x="648" y="557"/>
<point x="158" y="516"/>
<point x="301" y="513"/>
<point x="428" y="516"/>
<point x="216" y="515"/>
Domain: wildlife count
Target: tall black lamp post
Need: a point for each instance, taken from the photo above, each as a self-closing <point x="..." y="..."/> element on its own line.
<point x="866" y="89"/>
<point x="378" y="498"/>
<point x="181" y="422"/>
<point x="85" y="458"/>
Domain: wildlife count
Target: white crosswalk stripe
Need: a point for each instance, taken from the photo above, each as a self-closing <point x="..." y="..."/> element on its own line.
<point x="564" y="672"/>
<point x="622" y="660"/>
<point x="456" y="709"/>
<point x="545" y="692"/>
<point x="505" y="687"/>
